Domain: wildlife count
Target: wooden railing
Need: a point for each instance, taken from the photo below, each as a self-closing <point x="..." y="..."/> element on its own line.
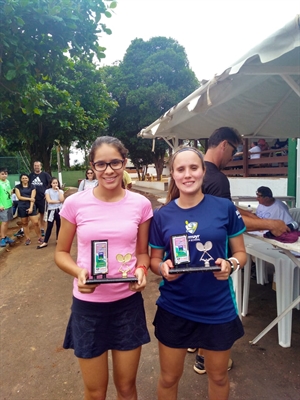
<point x="271" y="163"/>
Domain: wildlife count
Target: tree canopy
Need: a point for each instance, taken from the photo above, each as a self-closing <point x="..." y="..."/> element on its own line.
<point x="153" y="76"/>
<point x="49" y="88"/>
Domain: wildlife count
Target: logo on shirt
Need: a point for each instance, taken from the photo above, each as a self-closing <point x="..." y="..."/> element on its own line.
<point x="37" y="182"/>
<point x="238" y="214"/>
<point x="191" y="226"/>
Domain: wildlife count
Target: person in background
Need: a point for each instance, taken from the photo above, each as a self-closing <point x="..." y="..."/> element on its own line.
<point x="40" y="180"/>
<point x="89" y="182"/>
<point x="254" y="151"/>
<point x="127" y="182"/>
<point x="188" y="316"/>
<point x="239" y="153"/>
<point x="26" y="193"/>
<point x="55" y="198"/>
<point x="6" y="208"/>
<point x="14" y="200"/>
<point x="263" y="145"/>
<point x="280" y="144"/>
<point x="111" y="316"/>
<point x="222" y="146"/>
<point x="272" y="208"/>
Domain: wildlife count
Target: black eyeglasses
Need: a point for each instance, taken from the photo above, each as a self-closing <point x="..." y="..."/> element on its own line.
<point x="234" y="151"/>
<point x="101" y="166"/>
<point x="90" y="173"/>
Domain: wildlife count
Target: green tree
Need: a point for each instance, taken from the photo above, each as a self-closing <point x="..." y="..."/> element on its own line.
<point x="37" y="103"/>
<point x="153" y="76"/>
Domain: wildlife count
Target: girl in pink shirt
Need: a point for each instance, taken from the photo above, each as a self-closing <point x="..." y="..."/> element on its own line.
<point x="107" y="316"/>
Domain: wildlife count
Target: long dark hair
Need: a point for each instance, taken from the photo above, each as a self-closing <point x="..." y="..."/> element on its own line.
<point x="53" y="178"/>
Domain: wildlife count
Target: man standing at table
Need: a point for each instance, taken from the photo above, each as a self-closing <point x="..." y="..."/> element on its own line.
<point x="41" y="182"/>
<point x="222" y="146"/>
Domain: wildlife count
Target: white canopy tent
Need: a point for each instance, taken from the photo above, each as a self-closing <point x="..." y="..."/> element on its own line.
<point x="259" y="95"/>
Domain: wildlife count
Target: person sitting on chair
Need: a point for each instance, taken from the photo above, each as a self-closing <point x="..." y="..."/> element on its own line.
<point x="272" y="208"/>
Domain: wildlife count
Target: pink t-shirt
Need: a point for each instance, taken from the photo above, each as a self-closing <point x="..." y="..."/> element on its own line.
<point x="116" y="222"/>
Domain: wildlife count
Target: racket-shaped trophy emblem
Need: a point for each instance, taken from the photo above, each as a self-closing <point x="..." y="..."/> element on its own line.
<point x="204" y="248"/>
<point x="123" y="260"/>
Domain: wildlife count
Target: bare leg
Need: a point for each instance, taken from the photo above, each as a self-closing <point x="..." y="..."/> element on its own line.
<point x="4" y="228"/>
<point x="171" y="369"/>
<point x="95" y="376"/>
<point x="35" y="223"/>
<point x="25" y="227"/>
<point x="216" y="364"/>
<point x="125" y="366"/>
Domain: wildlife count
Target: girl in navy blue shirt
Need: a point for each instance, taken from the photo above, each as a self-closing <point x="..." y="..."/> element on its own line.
<point x="196" y="309"/>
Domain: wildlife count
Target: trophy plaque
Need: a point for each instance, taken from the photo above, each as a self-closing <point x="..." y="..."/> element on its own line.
<point x="180" y="254"/>
<point x="99" y="265"/>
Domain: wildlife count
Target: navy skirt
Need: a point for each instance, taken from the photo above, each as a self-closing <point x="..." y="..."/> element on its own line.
<point x="180" y="333"/>
<point x="95" y="328"/>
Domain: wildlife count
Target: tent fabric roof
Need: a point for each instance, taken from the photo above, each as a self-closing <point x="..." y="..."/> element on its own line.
<point x="259" y="95"/>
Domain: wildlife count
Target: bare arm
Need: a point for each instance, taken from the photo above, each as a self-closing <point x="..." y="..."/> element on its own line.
<point x="63" y="257"/>
<point x="238" y="251"/>
<point x="31" y="199"/>
<point x="160" y="267"/>
<point x="142" y="256"/>
<point x="253" y="223"/>
<point x="61" y="198"/>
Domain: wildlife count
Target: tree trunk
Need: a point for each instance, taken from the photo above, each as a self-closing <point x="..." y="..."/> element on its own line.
<point x="159" y="166"/>
<point x="40" y="150"/>
<point x="138" y="171"/>
<point x="66" y="152"/>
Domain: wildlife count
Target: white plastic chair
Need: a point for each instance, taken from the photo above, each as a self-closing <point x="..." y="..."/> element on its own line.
<point x="295" y="214"/>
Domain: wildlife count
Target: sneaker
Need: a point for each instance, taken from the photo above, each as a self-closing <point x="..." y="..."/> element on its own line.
<point x="20" y="233"/>
<point x="3" y="242"/>
<point x="191" y="349"/>
<point x="27" y="243"/>
<point x="199" y="365"/>
<point x="40" y="240"/>
<point x="230" y="364"/>
<point x="9" y="240"/>
<point x="42" y="232"/>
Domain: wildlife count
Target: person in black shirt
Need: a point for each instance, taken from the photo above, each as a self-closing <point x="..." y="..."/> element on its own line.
<point x="222" y="146"/>
<point x="41" y="181"/>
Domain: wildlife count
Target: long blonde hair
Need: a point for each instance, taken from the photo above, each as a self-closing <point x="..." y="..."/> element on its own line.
<point x="173" y="192"/>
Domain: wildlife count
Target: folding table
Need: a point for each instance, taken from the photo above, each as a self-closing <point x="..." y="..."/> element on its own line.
<point x="287" y="272"/>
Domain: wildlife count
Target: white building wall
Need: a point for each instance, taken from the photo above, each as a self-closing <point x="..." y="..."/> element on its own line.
<point x="248" y="186"/>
